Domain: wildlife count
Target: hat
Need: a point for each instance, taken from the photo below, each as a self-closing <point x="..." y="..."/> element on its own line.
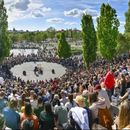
<point x="79" y="99"/>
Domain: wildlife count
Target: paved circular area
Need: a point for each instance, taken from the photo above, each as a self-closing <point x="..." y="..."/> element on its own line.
<point x="45" y="66"/>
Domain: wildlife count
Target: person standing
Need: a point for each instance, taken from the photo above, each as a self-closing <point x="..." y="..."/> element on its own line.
<point x="11" y="116"/>
<point x="28" y="114"/>
<point x="109" y="82"/>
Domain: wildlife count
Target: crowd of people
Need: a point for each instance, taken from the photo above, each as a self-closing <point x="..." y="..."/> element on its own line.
<point x="82" y="99"/>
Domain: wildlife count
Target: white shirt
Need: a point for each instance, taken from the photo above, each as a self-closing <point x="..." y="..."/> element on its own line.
<point x="103" y="93"/>
<point x="80" y="115"/>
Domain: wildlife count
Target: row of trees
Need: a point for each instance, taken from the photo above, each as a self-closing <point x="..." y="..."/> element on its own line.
<point x="39" y="36"/>
<point x="106" y="39"/>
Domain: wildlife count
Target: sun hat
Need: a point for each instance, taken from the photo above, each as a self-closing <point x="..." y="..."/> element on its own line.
<point x="79" y="99"/>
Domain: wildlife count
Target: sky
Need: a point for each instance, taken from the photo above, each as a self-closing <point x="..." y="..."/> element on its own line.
<point x="36" y="15"/>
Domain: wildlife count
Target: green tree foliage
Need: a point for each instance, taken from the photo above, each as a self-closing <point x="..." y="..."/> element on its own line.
<point x="123" y="44"/>
<point x="51" y="32"/>
<point x="64" y="50"/>
<point x="39" y="36"/>
<point x="89" y="39"/>
<point x="107" y="31"/>
<point x="127" y="20"/>
<point x="127" y="28"/>
<point x="4" y="36"/>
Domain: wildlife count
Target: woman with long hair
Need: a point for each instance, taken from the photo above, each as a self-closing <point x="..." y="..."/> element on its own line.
<point x="47" y="118"/>
<point x="28" y="114"/>
<point x="124" y="115"/>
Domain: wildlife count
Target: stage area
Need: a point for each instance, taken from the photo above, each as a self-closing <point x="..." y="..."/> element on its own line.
<point x="49" y="70"/>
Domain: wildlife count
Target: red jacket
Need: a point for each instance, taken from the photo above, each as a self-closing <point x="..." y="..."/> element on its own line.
<point x="109" y="81"/>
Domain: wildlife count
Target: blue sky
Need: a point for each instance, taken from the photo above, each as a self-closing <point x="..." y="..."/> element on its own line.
<point x="61" y="14"/>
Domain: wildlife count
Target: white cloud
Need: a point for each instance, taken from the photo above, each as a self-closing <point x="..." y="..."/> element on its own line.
<point x="55" y="20"/>
<point x="22" y="4"/>
<point x="78" y="13"/>
<point x="35" y="5"/>
<point x="12" y="16"/>
<point x="73" y="13"/>
<point x="71" y="23"/>
<point x="40" y="12"/>
<point x="21" y="9"/>
<point x="91" y="12"/>
<point x="45" y="9"/>
<point x="37" y="13"/>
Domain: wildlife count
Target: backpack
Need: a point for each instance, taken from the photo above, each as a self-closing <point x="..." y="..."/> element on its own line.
<point x="47" y="121"/>
<point x="105" y="118"/>
<point x="71" y="125"/>
<point x="61" y="112"/>
<point x="27" y="124"/>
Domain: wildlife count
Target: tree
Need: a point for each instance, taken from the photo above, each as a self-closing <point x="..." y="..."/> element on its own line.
<point x="107" y="31"/>
<point x="4" y="36"/>
<point x="64" y="50"/>
<point x="89" y="39"/>
<point x="127" y="20"/>
<point x="123" y="44"/>
<point x="127" y="27"/>
<point x="51" y="32"/>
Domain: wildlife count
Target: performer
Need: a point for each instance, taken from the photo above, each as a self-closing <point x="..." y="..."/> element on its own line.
<point x="53" y="71"/>
<point x="24" y="73"/>
<point x="40" y="71"/>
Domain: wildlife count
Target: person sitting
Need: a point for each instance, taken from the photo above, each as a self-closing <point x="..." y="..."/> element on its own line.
<point x="40" y="71"/>
<point x="36" y="70"/>
<point x="24" y="73"/>
<point x="53" y="71"/>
